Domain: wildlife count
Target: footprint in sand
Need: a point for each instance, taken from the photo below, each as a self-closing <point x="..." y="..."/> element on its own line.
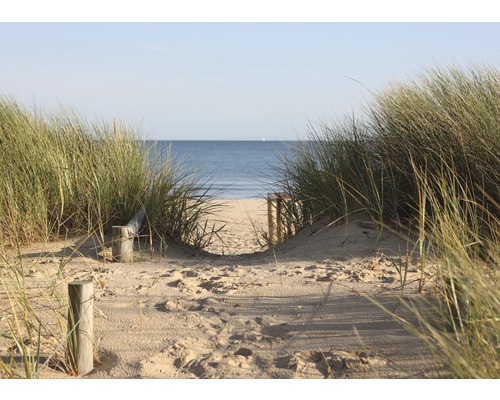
<point x="184" y="286"/>
<point x="189" y="274"/>
<point x="318" y="364"/>
<point x="198" y="358"/>
<point x="207" y="305"/>
<point x="176" y="305"/>
<point x="367" y="271"/>
<point x="220" y="285"/>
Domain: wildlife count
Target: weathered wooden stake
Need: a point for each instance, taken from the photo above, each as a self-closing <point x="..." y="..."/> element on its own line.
<point x="81" y="324"/>
<point x="122" y="246"/>
<point x="270" y="217"/>
<point x="279" y="218"/>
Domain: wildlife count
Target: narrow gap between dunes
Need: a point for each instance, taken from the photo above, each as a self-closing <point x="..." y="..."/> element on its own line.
<point x="245" y="220"/>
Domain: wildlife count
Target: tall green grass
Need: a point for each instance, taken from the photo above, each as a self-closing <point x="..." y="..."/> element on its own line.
<point x="461" y="321"/>
<point x="62" y="175"/>
<point x="334" y="173"/>
<point x="425" y="156"/>
<point x="449" y="119"/>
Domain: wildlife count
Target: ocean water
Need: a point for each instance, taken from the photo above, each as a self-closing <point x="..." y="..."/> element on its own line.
<point x="234" y="169"/>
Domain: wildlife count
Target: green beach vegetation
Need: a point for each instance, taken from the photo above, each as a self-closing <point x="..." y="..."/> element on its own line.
<point x="62" y="176"/>
<point x="423" y="159"/>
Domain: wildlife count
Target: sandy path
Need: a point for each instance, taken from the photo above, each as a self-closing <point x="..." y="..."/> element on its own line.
<point x="295" y="311"/>
<point x="243" y="219"/>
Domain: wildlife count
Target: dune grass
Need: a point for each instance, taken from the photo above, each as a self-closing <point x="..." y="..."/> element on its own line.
<point x="63" y="176"/>
<point x="33" y="322"/>
<point x="465" y="238"/>
<point x="447" y="120"/>
<point x="423" y="157"/>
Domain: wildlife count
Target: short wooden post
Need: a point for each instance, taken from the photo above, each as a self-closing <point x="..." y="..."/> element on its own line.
<point x="270" y="217"/>
<point x="279" y="218"/>
<point x="287" y="211"/>
<point x="122" y="246"/>
<point x="81" y="326"/>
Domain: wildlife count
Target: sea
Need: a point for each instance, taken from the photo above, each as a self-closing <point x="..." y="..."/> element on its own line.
<point x="234" y="169"/>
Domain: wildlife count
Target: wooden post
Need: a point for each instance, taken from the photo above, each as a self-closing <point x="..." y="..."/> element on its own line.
<point x="287" y="210"/>
<point x="279" y="218"/>
<point x="81" y="326"/>
<point x="122" y="246"/>
<point x="270" y="217"/>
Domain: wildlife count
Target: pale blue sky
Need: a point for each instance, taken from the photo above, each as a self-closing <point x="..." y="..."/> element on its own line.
<point x="225" y="80"/>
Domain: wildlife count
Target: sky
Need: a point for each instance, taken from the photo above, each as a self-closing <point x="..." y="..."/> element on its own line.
<point x="224" y="80"/>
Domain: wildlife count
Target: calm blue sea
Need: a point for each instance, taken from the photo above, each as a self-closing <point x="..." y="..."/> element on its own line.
<point x="235" y="169"/>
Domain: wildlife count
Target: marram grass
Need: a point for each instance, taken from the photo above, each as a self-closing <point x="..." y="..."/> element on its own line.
<point x="425" y="156"/>
<point x="447" y="120"/>
<point x="62" y="175"/>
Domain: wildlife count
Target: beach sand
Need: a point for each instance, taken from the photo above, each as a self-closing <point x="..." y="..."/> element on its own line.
<point x="297" y="310"/>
